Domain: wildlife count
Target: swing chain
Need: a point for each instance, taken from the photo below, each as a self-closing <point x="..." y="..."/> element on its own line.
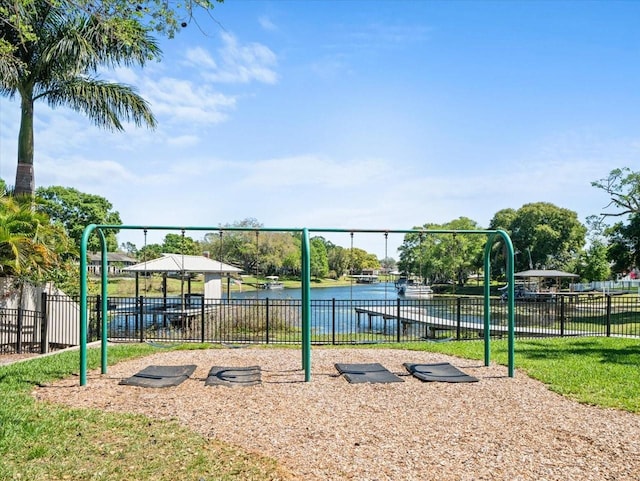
<point x="386" y="266"/>
<point x="144" y="256"/>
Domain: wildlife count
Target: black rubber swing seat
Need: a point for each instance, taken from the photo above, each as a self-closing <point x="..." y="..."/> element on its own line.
<point x="442" y="372"/>
<point x="160" y="376"/>
<point x="372" y="373"/>
<point x="234" y="376"/>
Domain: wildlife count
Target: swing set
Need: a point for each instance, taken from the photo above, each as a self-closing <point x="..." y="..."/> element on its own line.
<point x="492" y="237"/>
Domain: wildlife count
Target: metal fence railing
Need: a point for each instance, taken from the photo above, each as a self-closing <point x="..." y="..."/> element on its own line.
<point x="367" y="321"/>
<point x="332" y="321"/>
<point x="21" y="331"/>
<point x="56" y="325"/>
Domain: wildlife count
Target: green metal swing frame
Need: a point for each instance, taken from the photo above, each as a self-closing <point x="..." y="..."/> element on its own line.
<point x="492" y="236"/>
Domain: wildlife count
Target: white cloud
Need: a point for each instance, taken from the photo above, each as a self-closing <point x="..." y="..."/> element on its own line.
<point x="267" y="24"/>
<point x="331" y="67"/>
<point x="198" y="57"/>
<point x="178" y="100"/>
<point x="313" y="191"/>
<point x="125" y="75"/>
<point x="182" y="100"/>
<point x="244" y="63"/>
<point x="313" y="170"/>
<point x="80" y="171"/>
<point x="183" y="140"/>
<point x="387" y="34"/>
<point x="63" y="132"/>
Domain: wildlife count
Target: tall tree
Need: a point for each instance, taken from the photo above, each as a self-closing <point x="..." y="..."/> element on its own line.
<point x="543" y="235"/>
<point x="442" y="257"/>
<point x="388" y="264"/>
<point x="503" y="219"/>
<point x="274" y="249"/>
<point x="593" y="263"/>
<point x="59" y="64"/>
<point x="238" y="248"/>
<point x="74" y="210"/>
<point x="338" y="259"/>
<point x="360" y="259"/>
<point x="180" y="244"/>
<point x="465" y="251"/>
<point x="318" y="258"/>
<point x="624" y="244"/>
<point x="149" y="252"/>
<point x="623" y="186"/>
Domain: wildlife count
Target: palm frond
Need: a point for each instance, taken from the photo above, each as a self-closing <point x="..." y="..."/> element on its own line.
<point x="83" y="44"/>
<point x="27" y="240"/>
<point x="103" y="102"/>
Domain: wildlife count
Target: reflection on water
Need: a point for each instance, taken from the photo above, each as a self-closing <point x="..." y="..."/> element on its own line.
<point x="361" y="292"/>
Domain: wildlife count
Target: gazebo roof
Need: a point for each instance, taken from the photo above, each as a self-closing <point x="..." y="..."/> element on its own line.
<point x="183" y="263"/>
<point x="547" y="273"/>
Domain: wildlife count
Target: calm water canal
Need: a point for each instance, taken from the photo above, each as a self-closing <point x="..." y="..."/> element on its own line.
<point x="339" y="317"/>
<point x="334" y="309"/>
<point x="360" y="292"/>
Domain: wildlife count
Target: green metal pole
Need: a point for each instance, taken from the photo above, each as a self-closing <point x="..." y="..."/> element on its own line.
<point x="303" y="297"/>
<point x="510" y="300"/>
<point x="487" y="299"/>
<point x="83" y="303"/>
<point x="306" y="305"/>
<point x="105" y="302"/>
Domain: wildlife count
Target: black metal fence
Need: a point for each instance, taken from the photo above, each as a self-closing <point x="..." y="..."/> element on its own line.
<point x="364" y="321"/>
<point x="21" y="331"/>
<point x="333" y="321"/>
<point x="55" y="326"/>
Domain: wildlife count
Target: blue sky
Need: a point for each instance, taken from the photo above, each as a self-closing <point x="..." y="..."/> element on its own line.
<point x="361" y="114"/>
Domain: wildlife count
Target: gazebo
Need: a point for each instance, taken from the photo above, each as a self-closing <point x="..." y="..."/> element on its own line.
<point x="183" y="266"/>
<point x="540" y="274"/>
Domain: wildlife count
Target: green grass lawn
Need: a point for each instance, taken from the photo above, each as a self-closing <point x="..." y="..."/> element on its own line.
<point x="600" y="371"/>
<point x="42" y="441"/>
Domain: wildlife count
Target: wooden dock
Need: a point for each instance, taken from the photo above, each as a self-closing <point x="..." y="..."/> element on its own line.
<point x="416" y="316"/>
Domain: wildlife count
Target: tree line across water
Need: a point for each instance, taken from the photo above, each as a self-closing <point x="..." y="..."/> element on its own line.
<point x="40" y="240"/>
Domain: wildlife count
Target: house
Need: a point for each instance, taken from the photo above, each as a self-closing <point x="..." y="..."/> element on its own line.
<point x="116" y="262"/>
<point x="367" y="276"/>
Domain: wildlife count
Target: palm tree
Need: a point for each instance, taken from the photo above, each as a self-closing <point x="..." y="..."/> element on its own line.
<point x="61" y="66"/>
<point x="31" y="247"/>
<point x="28" y="241"/>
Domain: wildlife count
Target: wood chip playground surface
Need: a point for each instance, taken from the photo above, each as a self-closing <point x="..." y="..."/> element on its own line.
<point x="498" y="428"/>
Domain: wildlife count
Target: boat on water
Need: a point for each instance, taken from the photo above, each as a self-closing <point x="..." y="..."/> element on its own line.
<point x="413" y="288"/>
<point x="416" y="291"/>
<point x="401" y="284"/>
<point x="272" y="283"/>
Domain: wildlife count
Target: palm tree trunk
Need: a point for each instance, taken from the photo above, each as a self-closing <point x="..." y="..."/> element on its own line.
<point x="25" y="181"/>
